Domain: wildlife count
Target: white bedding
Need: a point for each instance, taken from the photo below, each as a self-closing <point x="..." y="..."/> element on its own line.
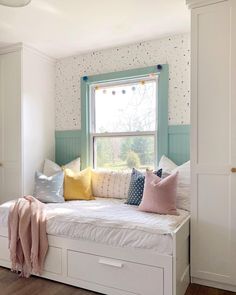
<point x="109" y="221"/>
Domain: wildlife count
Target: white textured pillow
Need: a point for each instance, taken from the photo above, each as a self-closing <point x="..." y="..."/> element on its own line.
<point x="166" y="165"/>
<point x="110" y="184"/>
<point x="183" y="188"/>
<point x="51" y="167"/>
<point x="73" y="165"/>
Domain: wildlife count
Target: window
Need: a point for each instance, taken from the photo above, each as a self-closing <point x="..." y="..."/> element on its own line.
<point x="123" y="123"/>
<point x="98" y="92"/>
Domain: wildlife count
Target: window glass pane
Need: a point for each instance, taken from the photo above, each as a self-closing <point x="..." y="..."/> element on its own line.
<point x="121" y="153"/>
<point x="125" y="107"/>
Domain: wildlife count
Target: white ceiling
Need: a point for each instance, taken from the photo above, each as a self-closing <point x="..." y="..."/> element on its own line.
<point x="66" y="27"/>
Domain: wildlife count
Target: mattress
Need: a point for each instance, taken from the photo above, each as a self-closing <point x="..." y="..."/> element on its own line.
<point x="109" y="221"/>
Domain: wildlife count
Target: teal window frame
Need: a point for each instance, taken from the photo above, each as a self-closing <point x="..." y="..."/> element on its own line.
<point x="162" y="106"/>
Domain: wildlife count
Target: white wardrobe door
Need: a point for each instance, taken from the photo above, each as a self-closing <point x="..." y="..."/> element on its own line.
<point x="213" y="143"/>
<point x="233" y="138"/>
<point x="10" y="126"/>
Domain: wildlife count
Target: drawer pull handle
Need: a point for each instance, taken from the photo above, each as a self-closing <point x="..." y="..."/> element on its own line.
<point x="110" y="262"/>
<point x="233" y="170"/>
<point x="1" y="164"/>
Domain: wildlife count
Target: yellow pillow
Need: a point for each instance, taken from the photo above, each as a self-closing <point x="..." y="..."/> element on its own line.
<point x="77" y="186"/>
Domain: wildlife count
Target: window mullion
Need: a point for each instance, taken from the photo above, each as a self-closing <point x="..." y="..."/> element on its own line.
<point x="122" y="134"/>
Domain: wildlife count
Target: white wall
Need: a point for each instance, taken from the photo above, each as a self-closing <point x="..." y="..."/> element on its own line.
<point x="38" y="113"/>
<point x="10" y="125"/>
<point x="174" y="50"/>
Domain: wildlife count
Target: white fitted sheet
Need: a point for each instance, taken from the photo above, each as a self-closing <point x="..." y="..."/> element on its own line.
<point x="109" y="221"/>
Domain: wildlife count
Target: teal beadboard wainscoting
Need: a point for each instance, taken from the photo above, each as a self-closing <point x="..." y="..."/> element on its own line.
<point x="179" y="143"/>
<point x="68" y="144"/>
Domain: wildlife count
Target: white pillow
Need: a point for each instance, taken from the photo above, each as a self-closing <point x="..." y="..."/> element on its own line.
<point x="110" y="184"/>
<point x="166" y="165"/>
<point x="50" y="167"/>
<point x="183" y="189"/>
<point x="73" y="165"/>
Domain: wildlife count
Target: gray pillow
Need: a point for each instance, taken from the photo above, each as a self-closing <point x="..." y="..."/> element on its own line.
<point x="49" y="189"/>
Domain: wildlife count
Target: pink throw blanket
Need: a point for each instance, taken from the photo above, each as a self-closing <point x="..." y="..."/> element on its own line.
<point x="28" y="243"/>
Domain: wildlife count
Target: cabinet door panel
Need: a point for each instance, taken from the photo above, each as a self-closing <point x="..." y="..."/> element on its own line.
<point x="213" y="86"/>
<point x="213" y="227"/>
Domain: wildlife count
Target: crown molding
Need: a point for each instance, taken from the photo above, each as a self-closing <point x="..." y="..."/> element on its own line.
<point x="199" y="3"/>
<point x="11" y="48"/>
<point x="15" y="3"/>
<point x="24" y="47"/>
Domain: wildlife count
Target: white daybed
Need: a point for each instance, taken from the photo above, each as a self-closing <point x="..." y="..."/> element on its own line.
<point x="112" y="248"/>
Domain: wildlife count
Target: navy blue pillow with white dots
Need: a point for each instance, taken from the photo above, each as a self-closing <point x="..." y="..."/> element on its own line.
<point x="136" y="186"/>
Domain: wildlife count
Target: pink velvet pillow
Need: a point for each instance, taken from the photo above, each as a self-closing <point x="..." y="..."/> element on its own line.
<point x="159" y="195"/>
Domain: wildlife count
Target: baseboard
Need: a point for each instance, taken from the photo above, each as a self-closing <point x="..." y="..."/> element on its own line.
<point x="186" y="275"/>
<point x="212" y="284"/>
<point x="184" y="282"/>
<point x="5" y="263"/>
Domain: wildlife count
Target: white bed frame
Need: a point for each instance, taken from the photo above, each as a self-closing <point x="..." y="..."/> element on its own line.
<point x="114" y="270"/>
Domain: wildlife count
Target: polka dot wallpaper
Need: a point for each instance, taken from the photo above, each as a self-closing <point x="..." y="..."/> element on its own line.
<point x="174" y="50"/>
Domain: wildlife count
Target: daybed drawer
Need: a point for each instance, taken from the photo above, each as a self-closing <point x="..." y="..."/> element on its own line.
<point x="53" y="261"/>
<point x="4" y="252"/>
<point x="119" y="274"/>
